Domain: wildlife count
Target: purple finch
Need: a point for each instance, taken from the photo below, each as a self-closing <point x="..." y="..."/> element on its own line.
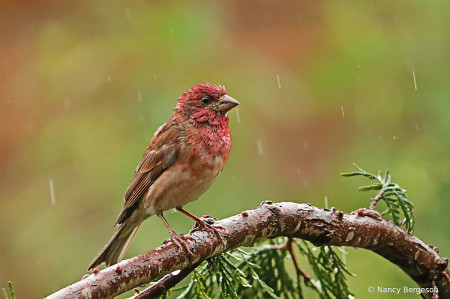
<point x="184" y="158"/>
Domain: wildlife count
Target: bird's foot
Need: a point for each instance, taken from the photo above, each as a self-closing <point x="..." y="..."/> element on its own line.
<point x="180" y="241"/>
<point x="203" y="225"/>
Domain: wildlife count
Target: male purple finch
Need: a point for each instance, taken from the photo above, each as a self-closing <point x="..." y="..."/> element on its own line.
<point x="184" y="158"/>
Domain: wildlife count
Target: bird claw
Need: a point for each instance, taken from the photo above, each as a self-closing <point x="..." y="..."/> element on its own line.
<point x="205" y="226"/>
<point x="180" y="241"/>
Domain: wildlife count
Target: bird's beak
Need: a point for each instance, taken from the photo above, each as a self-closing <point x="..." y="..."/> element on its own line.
<point x="226" y="103"/>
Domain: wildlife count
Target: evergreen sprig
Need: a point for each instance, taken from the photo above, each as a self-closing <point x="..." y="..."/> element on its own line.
<point x="265" y="266"/>
<point x="262" y="273"/>
<point x="393" y="195"/>
<point x="219" y="273"/>
<point x="11" y="291"/>
<point x="329" y="270"/>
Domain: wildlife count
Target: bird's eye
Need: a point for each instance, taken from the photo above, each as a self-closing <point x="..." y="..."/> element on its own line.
<point x="206" y="100"/>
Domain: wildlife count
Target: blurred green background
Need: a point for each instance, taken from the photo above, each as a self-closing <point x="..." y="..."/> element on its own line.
<point x="322" y="85"/>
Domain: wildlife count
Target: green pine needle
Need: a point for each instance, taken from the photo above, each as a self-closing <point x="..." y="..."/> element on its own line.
<point x="393" y="195"/>
<point x="261" y="273"/>
<point x="329" y="270"/>
<point x="11" y="291"/>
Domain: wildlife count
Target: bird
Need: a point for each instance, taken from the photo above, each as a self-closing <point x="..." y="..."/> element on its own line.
<point x="182" y="161"/>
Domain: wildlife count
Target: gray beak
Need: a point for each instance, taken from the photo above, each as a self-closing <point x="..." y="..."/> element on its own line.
<point x="226" y="103"/>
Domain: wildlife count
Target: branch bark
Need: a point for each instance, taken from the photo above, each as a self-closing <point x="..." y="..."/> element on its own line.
<point x="319" y="226"/>
<point x="166" y="283"/>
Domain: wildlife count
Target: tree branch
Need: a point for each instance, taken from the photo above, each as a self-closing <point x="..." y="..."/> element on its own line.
<point x="166" y="283"/>
<point x="319" y="226"/>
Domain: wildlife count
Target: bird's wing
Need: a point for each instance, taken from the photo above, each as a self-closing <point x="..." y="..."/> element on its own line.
<point x="160" y="155"/>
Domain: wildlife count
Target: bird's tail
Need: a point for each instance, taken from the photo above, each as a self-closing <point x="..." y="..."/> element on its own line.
<point x="113" y="252"/>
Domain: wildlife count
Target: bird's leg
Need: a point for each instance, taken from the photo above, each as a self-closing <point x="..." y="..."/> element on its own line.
<point x="177" y="239"/>
<point x="202" y="224"/>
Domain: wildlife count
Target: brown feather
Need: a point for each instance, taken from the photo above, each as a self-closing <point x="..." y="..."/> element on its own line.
<point x="158" y="157"/>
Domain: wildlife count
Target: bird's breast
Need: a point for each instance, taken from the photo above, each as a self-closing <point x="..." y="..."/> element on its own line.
<point x="181" y="184"/>
<point x="207" y="143"/>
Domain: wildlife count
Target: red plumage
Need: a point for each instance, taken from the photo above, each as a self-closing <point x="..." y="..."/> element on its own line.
<point x="183" y="159"/>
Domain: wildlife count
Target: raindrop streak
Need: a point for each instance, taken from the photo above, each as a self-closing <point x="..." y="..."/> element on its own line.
<point x="342" y="108"/>
<point x="139" y="96"/>
<point x="260" y="149"/>
<point x="326" y="202"/>
<point x="305" y="144"/>
<point x="52" y="192"/>
<point x="127" y="13"/>
<point x="154" y="76"/>
<point x="415" y="84"/>
<point x="109" y="79"/>
<point x="237" y="114"/>
<point x="279" y="84"/>
<point x="66" y="102"/>
<point x="171" y="31"/>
